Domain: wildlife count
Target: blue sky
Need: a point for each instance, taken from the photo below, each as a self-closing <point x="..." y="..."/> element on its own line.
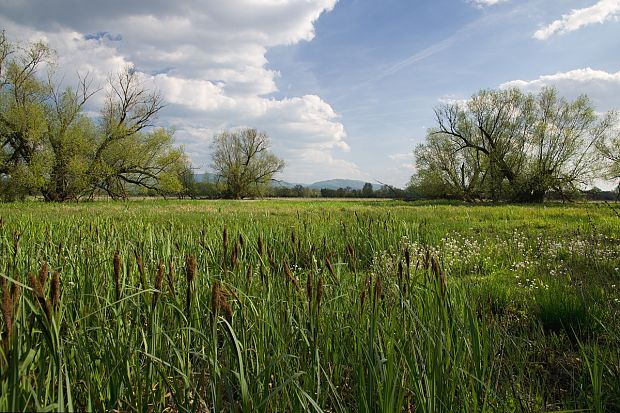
<point x="345" y="89"/>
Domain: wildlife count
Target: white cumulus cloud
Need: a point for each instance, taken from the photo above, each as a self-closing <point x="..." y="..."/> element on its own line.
<point x="601" y="86"/>
<point x="208" y="59"/>
<point x="600" y="12"/>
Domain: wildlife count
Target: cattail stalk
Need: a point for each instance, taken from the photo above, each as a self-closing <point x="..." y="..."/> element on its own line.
<point x="159" y="279"/>
<point x="291" y="277"/>
<point x="141" y="270"/>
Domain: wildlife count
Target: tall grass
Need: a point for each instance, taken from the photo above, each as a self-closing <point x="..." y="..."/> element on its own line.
<point x="301" y="307"/>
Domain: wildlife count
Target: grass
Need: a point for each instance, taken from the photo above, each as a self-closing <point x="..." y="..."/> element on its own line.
<point x="309" y="306"/>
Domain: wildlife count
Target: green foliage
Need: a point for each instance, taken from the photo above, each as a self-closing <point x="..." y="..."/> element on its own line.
<point x="50" y="147"/>
<point x="505" y="144"/>
<point x="242" y="160"/>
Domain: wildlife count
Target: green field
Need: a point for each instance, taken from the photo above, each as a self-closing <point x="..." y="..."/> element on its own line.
<point x="317" y="306"/>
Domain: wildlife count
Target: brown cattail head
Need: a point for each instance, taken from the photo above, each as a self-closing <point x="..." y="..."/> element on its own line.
<point x="330" y="267"/>
<point x="293" y="241"/>
<point x="219" y="304"/>
<point x="141" y="270"/>
<point x="43" y="274"/>
<point x="378" y="289"/>
<point x="7" y="305"/>
<point x="190" y="268"/>
<point x="272" y="262"/>
<point x="233" y="255"/>
<point x="171" y="278"/>
<point x="55" y="290"/>
<point x="261" y="247"/>
<point x="291" y="277"/>
<point x="159" y="278"/>
<point x="241" y="240"/>
<point x="407" y="258"/>
<point x="309" y="287"/>
<point x="225" y="239"/>
<point x="400" y="273"/>
<point x="39" y="294"/>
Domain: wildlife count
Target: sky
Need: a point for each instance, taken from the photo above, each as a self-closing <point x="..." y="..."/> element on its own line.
<point x="344" y="88"/>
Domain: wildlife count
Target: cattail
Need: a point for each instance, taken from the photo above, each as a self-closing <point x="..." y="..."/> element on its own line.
<point x="159" y="278"/>
<point x="233" y="255"/>
<point x="225" y="240"/>
<point x="400" y="273"/>
<point x="407" y="258"/>
<point x="293" y="238"/>
<point x="378" y="289"/>
<point x="330" y="267"/>
<point x="141" y="270"/>
<point x="171" y="278"/>
<point x="43" y="274"/>
<point x="261" y="247"/>
<point x="241" y="240"/>
<point x="39" y="294"/>
<point x="117" y="275"/>
<point x="7" y="306"/>
<point x="219" y="305"/>
<point x="271" y="260"/>
<point x="55" y="290"/>
<point x="309" y="287"/>
<point x="439" y="274"/>
<point x="190" y="268"/>
<point x="249" y="272"/>
<point x="291" y="278"/>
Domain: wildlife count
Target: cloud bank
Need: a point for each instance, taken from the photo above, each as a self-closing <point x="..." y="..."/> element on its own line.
<point x="208" y="59"/>
<point x="601" y="12"/>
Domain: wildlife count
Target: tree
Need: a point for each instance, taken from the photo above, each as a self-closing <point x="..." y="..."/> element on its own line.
<point x="241" y="158"/>
<point x="510" y="145"/>
<point x="49" y="146"/>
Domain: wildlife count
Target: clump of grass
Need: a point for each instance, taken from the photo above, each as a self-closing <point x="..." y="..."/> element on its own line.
<point x="190" y="274"/>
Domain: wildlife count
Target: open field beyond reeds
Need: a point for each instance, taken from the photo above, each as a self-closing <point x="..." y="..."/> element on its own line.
<point x="309" y="306"/>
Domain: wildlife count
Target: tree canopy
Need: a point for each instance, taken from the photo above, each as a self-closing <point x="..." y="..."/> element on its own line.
<point x="242" y="160"/>
<point x="49" y="146"/>
<point x="506" y="144"/>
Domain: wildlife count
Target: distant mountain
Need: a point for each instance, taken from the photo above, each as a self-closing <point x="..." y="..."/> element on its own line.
<point x="328" y="184"/>
<point x="341" y="183"/>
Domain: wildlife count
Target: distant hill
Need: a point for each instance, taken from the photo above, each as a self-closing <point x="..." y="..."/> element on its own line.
<point x="328" y="184"/>
<point x="341" y="183"/>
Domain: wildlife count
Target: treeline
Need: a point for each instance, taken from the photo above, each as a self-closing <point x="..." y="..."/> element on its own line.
<point x="506" y="145"/>
<point x="213" y="190"/>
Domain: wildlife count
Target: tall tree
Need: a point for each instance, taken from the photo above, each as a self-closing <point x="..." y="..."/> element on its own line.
<point x="523" y="144"/>
<point x="49" y="146"/>
<point x="241" y="158"/>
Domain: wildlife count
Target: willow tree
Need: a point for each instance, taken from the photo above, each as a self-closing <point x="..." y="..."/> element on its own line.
<point x="526" y="144"/>
<point x="49" y="146"/>
<point x="243" y="162"/>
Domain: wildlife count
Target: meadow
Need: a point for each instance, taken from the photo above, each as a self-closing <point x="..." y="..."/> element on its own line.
<point x="206" y="306"/>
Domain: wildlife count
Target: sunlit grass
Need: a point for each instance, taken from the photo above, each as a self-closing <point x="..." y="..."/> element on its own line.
<point x="341" y="306"/>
